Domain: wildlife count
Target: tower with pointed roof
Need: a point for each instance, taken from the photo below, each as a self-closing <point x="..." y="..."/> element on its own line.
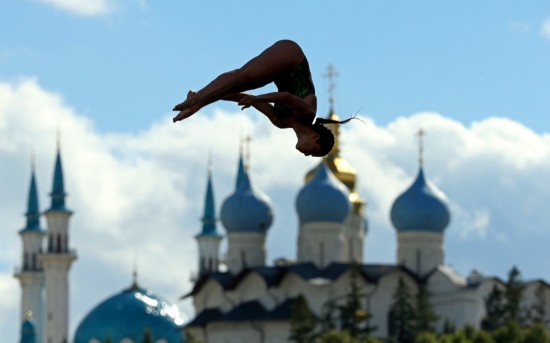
<point x="57" y="260"/>
<point x="30" y="274"/>
<point x="420" y="216"/>
<point x="246" y="215"/>
<point x="209" y="238"/>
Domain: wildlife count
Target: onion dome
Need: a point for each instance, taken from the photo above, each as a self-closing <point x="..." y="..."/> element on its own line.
<point x="134" y="313"/>
<point x="422" y="207"/>
<point x="246" y="210"/>
<point x="28" y="331"/>
<point x="323" y="199"/>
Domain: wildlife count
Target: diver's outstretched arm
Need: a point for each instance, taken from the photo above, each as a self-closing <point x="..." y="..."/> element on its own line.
<point x="303" y="109"/>
<point x="264" y="107"/>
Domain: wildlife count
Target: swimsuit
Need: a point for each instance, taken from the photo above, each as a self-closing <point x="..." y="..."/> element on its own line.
<point x="297" y="81"/>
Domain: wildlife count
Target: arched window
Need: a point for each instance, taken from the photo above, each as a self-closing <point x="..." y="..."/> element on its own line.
<point x="59" y="249"/>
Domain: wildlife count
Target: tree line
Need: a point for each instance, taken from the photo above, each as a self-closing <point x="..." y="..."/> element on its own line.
<point x="411" y="319"/>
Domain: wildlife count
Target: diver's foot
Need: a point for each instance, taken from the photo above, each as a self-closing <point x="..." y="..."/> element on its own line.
<point x="190" y="101"/>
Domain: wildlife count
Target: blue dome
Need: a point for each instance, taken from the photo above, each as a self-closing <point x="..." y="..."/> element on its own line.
<point x="28" y="332"/>
<point x="323" y="199"/>
<point x="422" y="207"/>
<point x="128" y="315"/>
<point x="246" y="210"/>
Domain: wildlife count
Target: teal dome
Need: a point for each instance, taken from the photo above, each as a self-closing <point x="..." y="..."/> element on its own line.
<point x="28" y="332"/>
<point x="422" y="207"/>
<point x="246" y="210"/>
<point x="130" y="314"/>
<point x="323" y="199"/>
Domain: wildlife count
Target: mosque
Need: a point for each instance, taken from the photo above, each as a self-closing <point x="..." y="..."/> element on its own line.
<point x="239" y="297"/>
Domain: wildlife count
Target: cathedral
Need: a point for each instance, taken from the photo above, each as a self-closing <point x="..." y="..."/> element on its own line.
<point x="237" y="295"/>
<point x="250" y="300"/>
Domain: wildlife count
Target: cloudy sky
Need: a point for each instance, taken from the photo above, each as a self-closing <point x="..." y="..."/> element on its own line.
<point x="106" y="73"/>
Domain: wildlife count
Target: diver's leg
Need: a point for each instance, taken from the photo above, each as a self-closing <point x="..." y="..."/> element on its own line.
<point x="256" y="73"/>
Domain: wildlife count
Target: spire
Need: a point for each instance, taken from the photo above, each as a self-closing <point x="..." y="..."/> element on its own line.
<point x="241" y="171"/>
<point x="421" y="133"/>
<point x="33" y="213"/>
<point x="209" y="217"/>
<point x="58" y="192"/>
<point x="134" y="275"/>
<point x="330" y="75"/>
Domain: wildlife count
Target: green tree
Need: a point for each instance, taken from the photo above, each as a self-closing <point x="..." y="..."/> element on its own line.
<point x="483" y="337"/>
<point x="448" y="326"/>
<point x="536" y="334"/>
<point x="494" y="310"/>
<point x="425" y="315"/>
<point x="328" y="315"/>
<point x="508" y="333"/>
<point x="401" y="326"/>
<point x="513" y="295"/>
<point x="354" y="318"/>
<point x="470" y="332"/>
<point x="302" y="321"/>
<point x="335" y="336"/>
<point x="538" y="309"/>
<point x="425" y="337"/>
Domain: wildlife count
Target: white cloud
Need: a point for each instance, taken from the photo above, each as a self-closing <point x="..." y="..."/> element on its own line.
<point x="86" y="8"/>
<point x="545" y="29"/>
<point x="142" y="195"/>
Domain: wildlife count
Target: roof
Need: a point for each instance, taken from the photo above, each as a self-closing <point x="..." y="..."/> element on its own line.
<point x="274" y="275"/>
<point x="247" y="311"/>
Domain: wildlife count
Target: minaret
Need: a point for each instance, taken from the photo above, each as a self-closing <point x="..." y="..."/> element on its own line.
<point x="355" y="226"/>
<point x="31" y="275"/>
<point x="57" y="260"/>
<point x="420" y="216"/>
<point x="209" y="239"/>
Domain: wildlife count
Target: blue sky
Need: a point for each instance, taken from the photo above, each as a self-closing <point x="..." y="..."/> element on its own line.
<point x="106" y="73"/>
<point x="125" y="67"/>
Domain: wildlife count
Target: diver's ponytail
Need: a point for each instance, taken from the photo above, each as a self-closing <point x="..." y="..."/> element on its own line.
<point x="332" y="121"/>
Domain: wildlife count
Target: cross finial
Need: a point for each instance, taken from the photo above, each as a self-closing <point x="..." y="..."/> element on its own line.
<point x="331" y="75"/>
<point x="421" y="133"/>
<point x="247" y="142"/>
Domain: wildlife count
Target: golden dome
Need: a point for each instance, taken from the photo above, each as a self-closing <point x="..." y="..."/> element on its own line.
<point x="341" y="169"/>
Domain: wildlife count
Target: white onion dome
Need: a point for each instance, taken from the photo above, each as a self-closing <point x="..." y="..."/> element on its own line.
<point x="247" y="209"/>
<point x="323" y="199"/>
<point x="422" y="207"/>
